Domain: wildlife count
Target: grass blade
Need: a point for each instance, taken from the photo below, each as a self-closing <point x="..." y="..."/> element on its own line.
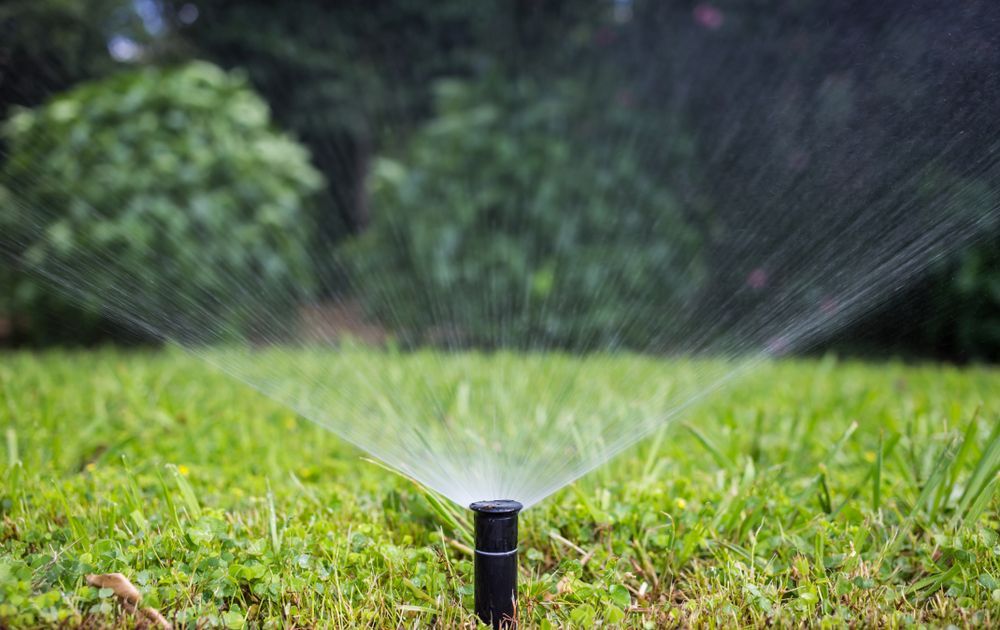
<point x="272" y="521"/>
<point x="712" y="449"/>
<point x="937" y="477"/>
<point x="187" y="493"/>
<point x="840" y="443"/>
<point x="986" y="469"/>
<point x="877" y="475"/>
<point x="12" y="456"/>
<point x="982" y="502"/>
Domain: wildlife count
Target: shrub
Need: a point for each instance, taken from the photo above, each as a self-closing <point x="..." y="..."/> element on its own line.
<point x="155" y="194"/>
<point x="512" y="219"/>
<point x="976" y="290"/>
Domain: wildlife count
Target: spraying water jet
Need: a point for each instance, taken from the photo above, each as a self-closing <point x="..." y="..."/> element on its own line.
<point x="496" y="561"/>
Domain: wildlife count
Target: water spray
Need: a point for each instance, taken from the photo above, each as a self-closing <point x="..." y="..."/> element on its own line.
<point x="496" y="562"/>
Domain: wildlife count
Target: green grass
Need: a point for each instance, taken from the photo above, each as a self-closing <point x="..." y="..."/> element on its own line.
<point x="849" y="493"/>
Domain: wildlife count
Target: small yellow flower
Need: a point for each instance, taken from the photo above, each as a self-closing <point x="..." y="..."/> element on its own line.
<point x="91" y="467"/>
<point x="680" y="503"/>
<point x="289" y="422"/>
<point x="870" y="456"/>
<point x="182" y="469"/>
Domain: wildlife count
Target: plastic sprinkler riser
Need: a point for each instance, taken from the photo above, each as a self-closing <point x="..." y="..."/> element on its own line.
<point x="496" y="562"/>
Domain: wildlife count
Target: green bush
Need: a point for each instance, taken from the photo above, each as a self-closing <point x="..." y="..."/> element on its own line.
<point x="963" y="315"/>
<point x="514" y="219"/>
<point x="976" y="291"/>
<point x="153" y="193"/>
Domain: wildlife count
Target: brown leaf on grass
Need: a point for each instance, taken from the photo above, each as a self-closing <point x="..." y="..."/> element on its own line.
<point x="129" y="596"/>
<point x="119" y="584"/>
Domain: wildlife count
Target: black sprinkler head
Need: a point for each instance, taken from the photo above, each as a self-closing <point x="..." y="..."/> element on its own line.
<point x="496" y="561"/>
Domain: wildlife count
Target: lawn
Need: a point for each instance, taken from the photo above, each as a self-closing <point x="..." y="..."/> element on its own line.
<point x="813" y="490"/>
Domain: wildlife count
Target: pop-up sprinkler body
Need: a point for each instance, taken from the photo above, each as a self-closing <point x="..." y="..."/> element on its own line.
<point x="496" y="562"/>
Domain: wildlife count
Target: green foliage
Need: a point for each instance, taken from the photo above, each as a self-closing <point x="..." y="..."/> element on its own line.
<point x="967" y="296"/>
<point x="159" y="186"/>
<point x="509" y="207"/>
<point x="325" y="70"/>
<point x="814" y="493"/>
<point x="975" y="291"/>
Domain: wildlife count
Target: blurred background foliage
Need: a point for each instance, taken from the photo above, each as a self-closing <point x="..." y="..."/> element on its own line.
<point x="529" y="221"/>
<point x="171" y="173"/>
<point x="388" y="99"/>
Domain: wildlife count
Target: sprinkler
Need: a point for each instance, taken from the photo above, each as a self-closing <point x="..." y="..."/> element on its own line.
<point x="496" y="561"/>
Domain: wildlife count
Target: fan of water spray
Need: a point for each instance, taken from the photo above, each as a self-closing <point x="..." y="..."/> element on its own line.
<point x="633" y="203"/>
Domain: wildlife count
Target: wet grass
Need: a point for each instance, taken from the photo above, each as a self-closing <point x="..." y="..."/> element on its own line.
<point x="811" y="491"/>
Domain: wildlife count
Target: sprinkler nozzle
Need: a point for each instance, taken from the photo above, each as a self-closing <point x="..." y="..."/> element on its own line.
<point x="496" y="562"/>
